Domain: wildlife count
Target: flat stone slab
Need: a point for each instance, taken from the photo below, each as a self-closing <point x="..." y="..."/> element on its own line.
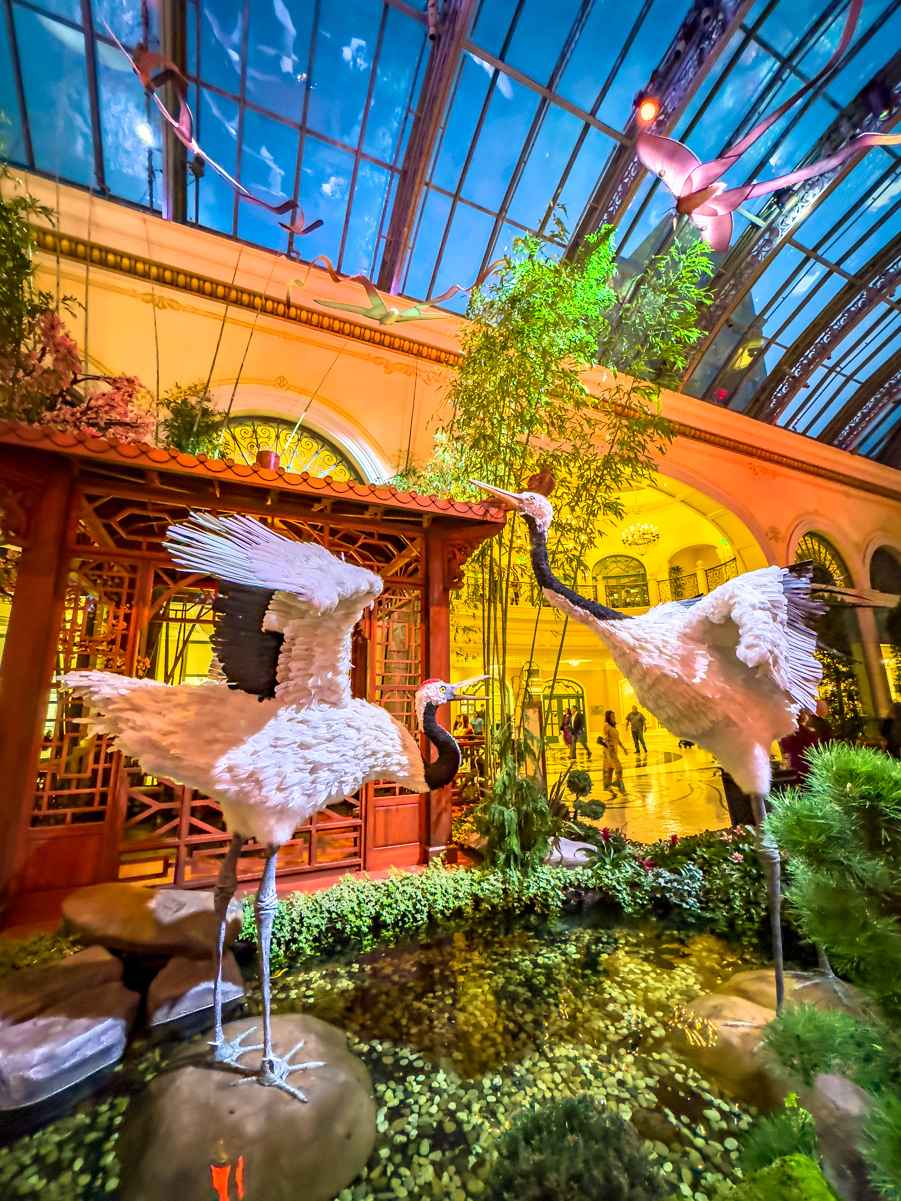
<point x="28" y="992"/>
<point x="150" y="921"/>
<point x="64" y="1044"/>
<point x="195" y="1123"/>
<point x="183" y="990"/>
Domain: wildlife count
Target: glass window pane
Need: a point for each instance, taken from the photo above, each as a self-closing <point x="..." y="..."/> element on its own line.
<point x="507" y="122"/>
<point x="595" y="52"/>
<point x="466" y="242"/>
<point x="345" y="45"/>
<point x="492" y="24"/>
<point x="544" y="166"/>
<point x="56" y="96"/>
<point x="656" y="32"/>
<point x="325" y="177"/>
<point x="218" y="135"/>
<point x="12" y="143"/>
<point x="268" y="163"/>
<point x="221" y="36"/>
<point x="429" y="233"/>
<point x="469" y="95"/>
<point x="402" y="48"/>
<point x="126" y="20"/>
<point x="131" y="138"/>
<point x="365" y="218"/>
<point x="539" y="37"/>
<point x="588" y="167"/>
<point x="278" y="55"/>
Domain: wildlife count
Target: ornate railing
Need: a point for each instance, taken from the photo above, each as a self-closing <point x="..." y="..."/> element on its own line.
<point x="679" y="587"/>
<point x="714" y="576"/>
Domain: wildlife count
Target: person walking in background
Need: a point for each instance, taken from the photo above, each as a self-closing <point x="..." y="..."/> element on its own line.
<point x="890" y="730"/>
<point x="478" y="724"/>
<point x="795" y="745"/>
<point x="636" y="722"/>
<point x="580" y="734"/>
<point x="613" y="767"/>
<point x="566" y="730"/>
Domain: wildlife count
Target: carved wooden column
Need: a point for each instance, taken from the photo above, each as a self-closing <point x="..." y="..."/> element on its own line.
<point x="36" y="509"/>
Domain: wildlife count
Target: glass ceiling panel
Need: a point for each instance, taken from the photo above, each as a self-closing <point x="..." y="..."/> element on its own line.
<point x="877" y="438"/>
<point x="317" y="100"/>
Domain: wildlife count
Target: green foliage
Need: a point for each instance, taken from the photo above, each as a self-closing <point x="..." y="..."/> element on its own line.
<point x="192" y="423"/>
<point x="18" y="953"/>
<point x="842" y="838"/>
<point x="809" y="1041"/>
<point x="839" y="689"/>
<point x="515" y="819"/>
<point x="789" y="1131"/>
<point x="882" y="1147"/>
<point x="518" y="401"/>
<point x="358" y="913"/>
<point x="579" y="783"/>
<point x="794" y="1178"/>
<point x="574" y="1149"/>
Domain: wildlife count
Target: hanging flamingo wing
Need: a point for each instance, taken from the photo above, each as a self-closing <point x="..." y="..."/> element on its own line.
<point x="286" y="612"/>
<point x="714" y="228"/>
<point x="668" y="159"/>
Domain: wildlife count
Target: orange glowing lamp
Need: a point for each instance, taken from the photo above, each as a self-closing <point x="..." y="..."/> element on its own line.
<point x="648" y="108"/>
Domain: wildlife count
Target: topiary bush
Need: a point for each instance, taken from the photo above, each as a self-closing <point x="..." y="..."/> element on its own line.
<point x="794" y="1178"/>
<point x="574" y="1150"/>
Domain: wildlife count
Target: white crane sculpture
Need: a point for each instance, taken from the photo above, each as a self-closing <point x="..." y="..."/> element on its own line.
<point x="284" y="738"/>
<point x="729" y="671"/>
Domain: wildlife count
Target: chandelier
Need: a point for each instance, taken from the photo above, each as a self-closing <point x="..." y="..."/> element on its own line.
<point x="640" y="533"/>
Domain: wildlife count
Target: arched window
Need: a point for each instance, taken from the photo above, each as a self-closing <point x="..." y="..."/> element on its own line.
<point x="558" y="696"/>
<point x="298" y="449"/>
<point x="828" y="565"/>
<point x="622" y="581"/>
<point x="885" y="571"/>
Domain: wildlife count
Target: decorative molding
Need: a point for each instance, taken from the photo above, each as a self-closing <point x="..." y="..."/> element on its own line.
<point x="139" y="267"/>
<point x="145" y="269"/>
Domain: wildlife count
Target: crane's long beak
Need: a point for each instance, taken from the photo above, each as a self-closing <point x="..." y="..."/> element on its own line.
<point x="470" y="683"/>
<point x="510" y="499"/>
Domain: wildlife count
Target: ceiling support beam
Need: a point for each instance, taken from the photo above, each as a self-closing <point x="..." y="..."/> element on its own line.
<point x="454" y="26"/>
<point x="878" y="279"/>
<point x="90" y="53"/>
<point x="173" y="39"/>
<point x="783" y="212"/>
<point x="891" y="456"/>
<point x="869" y="404"/>
<point x="703" y="36"/>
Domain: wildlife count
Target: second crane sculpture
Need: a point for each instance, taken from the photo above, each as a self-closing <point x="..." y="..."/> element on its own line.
<point x="286" y="738"/>
<point x="729" y="671"/>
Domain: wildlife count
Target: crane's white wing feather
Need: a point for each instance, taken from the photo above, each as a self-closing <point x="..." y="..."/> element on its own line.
<point x="312" y="599"/>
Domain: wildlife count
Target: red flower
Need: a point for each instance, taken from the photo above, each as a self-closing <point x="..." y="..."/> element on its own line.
<point x="648" y="864"/>
<point x="605" y="834"/>
<point x="673" y="839"/>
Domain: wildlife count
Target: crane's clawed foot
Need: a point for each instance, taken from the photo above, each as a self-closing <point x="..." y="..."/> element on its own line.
<point x="274" y="1072"/>
<point x="229" y="1051"/>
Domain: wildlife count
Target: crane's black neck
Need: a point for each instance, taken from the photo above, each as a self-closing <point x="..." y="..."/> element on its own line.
<point x="549" y="581"/>
<point x="443" y="769"/>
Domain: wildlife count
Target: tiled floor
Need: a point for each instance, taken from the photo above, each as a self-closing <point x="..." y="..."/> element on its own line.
<point x="672" y="791"/>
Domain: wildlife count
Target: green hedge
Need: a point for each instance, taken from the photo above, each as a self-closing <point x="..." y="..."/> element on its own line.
<point x="695" y="881"/>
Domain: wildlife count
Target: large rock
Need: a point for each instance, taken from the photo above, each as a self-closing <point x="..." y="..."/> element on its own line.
<point x="29" y="992"/>
<point x="809" y="988"/>
<point x="725" y="1043"/>
<point x="152" y="921"/>
<point x="192" y="1118"/>
<point x="183" y="991"/>
<point x="840" y="1110"/>
<point x="73" y="1038"/>
<point x="565" y="852"/>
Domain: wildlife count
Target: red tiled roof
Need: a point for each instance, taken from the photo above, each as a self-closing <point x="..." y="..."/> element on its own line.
<point x="153" y="458"/>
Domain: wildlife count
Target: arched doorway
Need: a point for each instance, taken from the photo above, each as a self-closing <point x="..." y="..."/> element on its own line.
<point x="885" y="576"/>
<point x="558" y="696"/>
<point x="298" y="448"/>
<point x="621" y="582"/>
<point x="839" y="642"/>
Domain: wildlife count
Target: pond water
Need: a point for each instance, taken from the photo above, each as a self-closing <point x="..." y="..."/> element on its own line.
<point x="461" y="1034"/>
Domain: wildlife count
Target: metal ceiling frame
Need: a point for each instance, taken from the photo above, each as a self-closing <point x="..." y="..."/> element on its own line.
<point x="455" y="24"/>
<point x="879" y="277"/>
<point x="868" y="405"/>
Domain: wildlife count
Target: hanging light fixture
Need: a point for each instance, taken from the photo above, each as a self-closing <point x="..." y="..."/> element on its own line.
<point x="639" y="534"/>
<point x="646" y="107"/>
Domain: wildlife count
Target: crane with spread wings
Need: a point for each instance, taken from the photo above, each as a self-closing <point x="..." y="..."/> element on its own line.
<point x="282" y="737"/>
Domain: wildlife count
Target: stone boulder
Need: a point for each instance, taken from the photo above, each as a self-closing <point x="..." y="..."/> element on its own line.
<point x="726" y="1045"/>
<point x="191" y="1121"/>
<point x="840" y="1110"/>
<point x="183" y="991"/>
<point x="28" y="992"/>
<point x="70" y="1022"/>
<point x="148" y="921"/>
<point x="809" y="988"/>
<point x="566" y="852"/>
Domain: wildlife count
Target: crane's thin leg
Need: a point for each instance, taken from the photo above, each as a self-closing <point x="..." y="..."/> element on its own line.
<point x="223" y="1050"/>
<point x="274" y="1071"/>
<point x="829" y="975"/>
<point x="768" y="853"/>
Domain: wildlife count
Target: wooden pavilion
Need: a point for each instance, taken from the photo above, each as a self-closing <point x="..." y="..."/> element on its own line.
<point x="83" y="519"/>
